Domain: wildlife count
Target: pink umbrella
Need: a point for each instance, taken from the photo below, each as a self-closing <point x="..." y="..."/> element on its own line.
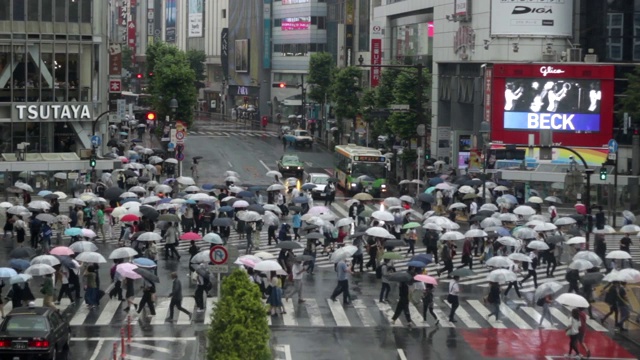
<point x="61" y="251"/>
<point x="126" y="267"/>
<point x="88" y="233"/>
<point x="123" y="159"/>
<point x="130" y="274"/>
<point x="247" y="262"/>
<point x="580" y="209"/>
<point x="190" y="236"/>
<point x="426" y="279"/>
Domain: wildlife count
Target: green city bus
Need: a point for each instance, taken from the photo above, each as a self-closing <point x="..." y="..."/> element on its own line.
<point x="361" y="169"/>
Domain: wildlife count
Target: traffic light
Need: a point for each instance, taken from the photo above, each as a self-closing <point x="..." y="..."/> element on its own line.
<point x="151" y="74"/>
<point x="92" y="162"/>
<point x="603" y="173"/>
<point x="151" y="116"/>
<point x="280" y="85"/>
<point x="139" y="76"/>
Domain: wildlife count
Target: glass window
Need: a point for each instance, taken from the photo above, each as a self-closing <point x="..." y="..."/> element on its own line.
<point x="47" y="10"/>
<point x="74" y="8"/>
<point x="18" y="134"/>
<point x="636" y="36"/>
<point x="26" y="322"/>
<point x="4" y="4"/>
<point x="322" y="22"/>
<point x="615" y="23"/>
<point x="5" y="137"/>
<point x="86" y="9"/>
<point x="18" y="10"/>
<point x="60" y="10"/>
<point x="363" y="25"/>
<point x="33" y="10"/>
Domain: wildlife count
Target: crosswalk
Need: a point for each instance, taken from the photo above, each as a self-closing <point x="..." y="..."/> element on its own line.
<point x="229" y="133"/>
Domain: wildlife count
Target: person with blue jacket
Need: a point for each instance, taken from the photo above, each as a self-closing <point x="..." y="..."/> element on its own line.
<point x="296" y="223"/>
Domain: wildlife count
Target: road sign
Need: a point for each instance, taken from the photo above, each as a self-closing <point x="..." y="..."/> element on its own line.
<point x="122" y="108"/>
<point x="399" y="107"/>
<point x="115" y="86"/>
<point x="180" y="156"/>
<point x="96" y="140"/>
<point x="611" y="156"/>
<point x="421" y="130"/>
<point x="171" y="145"/>
<point x="219" y="269"/>
<point x="218" y="255"/>
<point x="613" y="146"/>
<point x="180" y="137"/>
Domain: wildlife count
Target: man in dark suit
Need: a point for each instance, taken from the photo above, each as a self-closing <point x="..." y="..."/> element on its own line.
<point x="176" y="297"/>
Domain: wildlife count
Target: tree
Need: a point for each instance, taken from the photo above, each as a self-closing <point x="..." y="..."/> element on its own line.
<point x="344" y="92"/>
<point x="173" y="79"/>
<point x="405" y="92"/>
<point x="196" y="60"/>
<point x="321" y="68"/>
<point x="630" y="102"/>
<point x="239" y="328"/>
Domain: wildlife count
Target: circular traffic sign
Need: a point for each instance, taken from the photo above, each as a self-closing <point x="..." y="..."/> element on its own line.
<point x="179" y="156"/>
<point x="218" y="255"/>
<point x="180" y="135"/>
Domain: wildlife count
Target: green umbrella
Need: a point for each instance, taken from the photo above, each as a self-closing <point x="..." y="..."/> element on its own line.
<point x="366" y="213"/>
<point x="469" y="196"/>
<point x="392" y="255"/>
<point x="411" y="225"/>
<point x="430" y="190"/>
<point x="462" y="272"/>
<point x="169" y="217"/>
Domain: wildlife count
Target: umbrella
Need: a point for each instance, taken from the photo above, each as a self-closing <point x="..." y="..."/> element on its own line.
<point x="507" y="241"/>
<point x="377" y="231"/>
<point x="629" y="216"/>
<point x="83" y="246"/>
<point x="48" y="218"/>
<point x="6" y="272"/>
<point x="538" y="245"/>
<point x="249" y="216"/>
<point x="383" y="216"/>
<point x="457" y="205"/>
<point x="407" y="199"/>
<point x="201" y="257"/>
<point x="501" y="275"/>
<point x="576" y="240"/>
<point x="580" y="265"/>
<point x="452" y="235"/>
<point x="149" y="236"/>
<point x="190" y="236"/>
<point x="426" y="279"/>
<point x="39" y="205"/>
<point x="508" y="217"/>
<point x="23" y="186"/>
<point x="416" y="264"/>
<point x="553" y="199"/>
<point x="545" y="227"/>
<point x="124" y="252"/>
<point x="45" y="259"/>
<point x="267" y="266"/>
<point x="75" y="202"/>
<point x="213" y="238"/>
<point x="19" y="264"/>
<point x="91" y="257"/>
<point x="475" y="233"/>
<point x="563" y="221"/>
<point x="463" y="272"/>
<point x="39" y="270"/>
<point x="289" y="245"/>
<point x="548" y="288"/>
<point x="169" y="218"/>
<point x="17" y="210"/>
<point x="274" y="174"/>
<point x="629" y="275"/>
<point x="276" y="187"/>
<point x="88" y="233"/>
<point x="591" y="278"/>
<point x="523" y="233"/>
<point x="392" y="255"/>
<point x="394" y="243"/>
<point x="499" y="262"/>
<point x="631" y="228"/>
<point x="423" y="258"/>
<point x="314" y="235"/>
<point x="572" y="300"/>
<point x="589" y="256"/>
<point x="535" y="200"/>
<point x="147" y="275"/>
<point x="263" y="255"/>
<point x="22" y="253"/>
<point x="61" y="251"/>
<point x="618" y="255"/>
<point x="222" y="221"/>
<point x="402" y="276"/>
<point x="426" y="198"/>
<point x="20" y="278"/>
<point x="113" y="193"/>
<point x="240" y="204"/>
<point x="144" y="262"/>
<point x="343" y="253"/>
<point x="519" y="257"/>
<point x="129" y="218"/>
<point x="524" y="210"/>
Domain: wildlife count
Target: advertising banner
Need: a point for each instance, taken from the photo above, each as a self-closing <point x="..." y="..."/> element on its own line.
<point x="266" y="42"/>
<point x="170" y="21"/>
<point x="196" y="14"/>
<point x="224" y="52"/>
<point x="115" y="59"/>
<point x="131" y="30"/>
<point x="158" y="21"/>
<point x="376" y="59"/>
<point x="532" y="18"/>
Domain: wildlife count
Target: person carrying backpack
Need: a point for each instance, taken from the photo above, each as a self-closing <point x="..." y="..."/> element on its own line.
<point x="382" y="272"/>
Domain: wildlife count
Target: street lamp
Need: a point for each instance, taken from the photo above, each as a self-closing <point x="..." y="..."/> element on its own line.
<point x="173" y="105"/>
<point x="485" y="131"/>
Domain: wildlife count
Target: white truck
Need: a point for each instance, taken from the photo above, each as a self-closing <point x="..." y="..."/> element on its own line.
<point x="302" y="138"/>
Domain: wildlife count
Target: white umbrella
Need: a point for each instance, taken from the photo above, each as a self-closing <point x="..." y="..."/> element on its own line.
<point x="501" y="276"/>
<point x="535" y="200"/>
<point x="605" y="230"/>
<point x="249" y="216"/>
<point x="519" y="257"/>
<point x="274" y="174"/>
<point x="232" y="179"/>
<point x="230" y="173"/>
<point x="452" y="235"/>
<point x="457" y="205"/>
<point x="525" y="233"/>
<point x="490" y="222"/>
<point x="524" y="210"/>
<point x="128" y="194"/>
<point x="138" y="189"/>
<point x="631" y="228"/>
<point x="45" y="259"/>
<point x="124" y="252"/>
<point x="508" y="217"/>
<point x="563" y="221"/>
<point x="23" y="186"/>
<point x="432" y="226"/>
<point x="572" y="300"/>
<point x="508" y="241"/>
<point x="499" y="262"/>
<point x="580" y="265"/>
<point x="39" y="270"/>
<point x="201" y="257"/>
<point x="589" y="256"/>
<point x="20" y="278"/>
<point x="272" y="207"/>
<point x="213" y="238"/>
<point x="155" y="160"/>
<point x="631" y="276"/>
<point x="268" y="265"/>
<point x="151" y="199"/>
<point x="149" y="236"/>
<point x="383" y="215"/>
<point x="17" y="210"/>
<point x="489" y="207"/>
<point x="377" y="231"/>
<point x="162" y="188"/>
<point x="407" y="198"/>
<point x="466" y="190"/>
<point x="629" y="216"/>
<point x="548" y="288"/>
<point x="91" y="257"/>
<point x="553" y="199"/>
<point x="171" y="161"/>
<point x="392" y="201"/>
<point x="475" y="233"/>
<point x="344" y="222"/>
<point x="501" y="188"/>
<point x="192" y="188"/>
<point x="275" y="187"/>
<point x="343" y="253"/>
<point x="534" y="223"/>
<point x="240" y="204"/>
<point x="5" y="205"/>
<point x="201" y="197"/>
<point x="39" y="205"/>
<point x="576" y="240"/>
<point x="618" y="255"/>
<point x="264" y="255"/>
<point x="538" y="245"/>
<point x="83" y="246"/>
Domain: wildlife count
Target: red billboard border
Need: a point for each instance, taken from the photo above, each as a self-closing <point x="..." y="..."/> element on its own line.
<point x="604" y="73"/>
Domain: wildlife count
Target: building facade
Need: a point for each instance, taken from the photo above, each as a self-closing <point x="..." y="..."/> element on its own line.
<point x="53" y="82"/>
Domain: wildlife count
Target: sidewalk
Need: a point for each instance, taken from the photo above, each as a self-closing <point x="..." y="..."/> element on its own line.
<point x="633" y="324"/>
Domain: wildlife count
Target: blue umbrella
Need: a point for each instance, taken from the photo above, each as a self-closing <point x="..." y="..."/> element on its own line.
<point x="246" y="194"/>
<point x="44" y="193"/>
<point x="124" y="133"/>
<point x="168" y="181"/>
<point x="164" y="200"/>
<point x="144" y="262"/>
<point x="300" y="200"/>
<point x="6" y="272"/>
<point x="423" y="258"/>
<point x="290" y="138"/>
<point x="503" y="231"/>
<point x="73" y="231"/>
<point x="19" y="264"/>
<point x="190" y="201"/>
<point x="207" y="187"/>
<point x="225" y="209"/>
<point x="510" y="198"/>
<point x="418" y="264"/>
<point x="435" y="181"/>
<point x="308" y="186"/>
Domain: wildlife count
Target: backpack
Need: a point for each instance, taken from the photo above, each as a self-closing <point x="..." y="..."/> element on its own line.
<point x="540" y="302"/>
<point x="572" y="275"/>
<point x="611" y="296"/>
<point x="379" y="271"/>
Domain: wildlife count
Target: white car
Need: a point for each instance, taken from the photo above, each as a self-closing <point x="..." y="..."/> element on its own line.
<point x="320" y="180"/>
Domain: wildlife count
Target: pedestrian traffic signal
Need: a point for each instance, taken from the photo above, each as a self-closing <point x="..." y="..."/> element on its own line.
<point x="151" y="116"/>
<point x="139" y="76"/>
<point x="92" y="162"/>
<point x="603" y="173"/>
<point x="151" y="74"/>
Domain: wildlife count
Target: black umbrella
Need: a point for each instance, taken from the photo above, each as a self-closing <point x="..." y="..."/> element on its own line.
<point x="257" y="208"/>
<point x="246" y="194"/>
<point x="147" y="275"/>
<point x="461" y="180"/>
<point x="485" y="213"/>
<point x="149" y="212"/>
<point x="220" y="186"/>
<point x="309" y="227"/>
<point x="426" y="198"/>
<point x="113" y="193"/>
<point x="400" y="277"/>
<point x="314" y="235"/>
<point x="574" y="231"/>
<point x="51" y="196"/>
<point x="289" y="245"/>
<point x="591" y="278"/>
<point x="143" y="179"/>
<point x="357" y="234"/>
<point x="22" y="253"/>
<point x="554" y="239"/>
<point x="474" y="182"/>
<point x="394" y="243"/>
<point x="295" y="208"/>
<point x="67" y="262"/>
<point x="303" y="258"/>
<point x="222" y="222"/>
<point x="477" y="218"/>
<point x="130" y="173"/>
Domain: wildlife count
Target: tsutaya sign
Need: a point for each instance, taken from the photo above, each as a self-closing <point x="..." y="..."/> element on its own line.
<point x="54" y="112"/>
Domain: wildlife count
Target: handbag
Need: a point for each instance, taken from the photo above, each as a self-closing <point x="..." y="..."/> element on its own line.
<point x="450" y="299"/>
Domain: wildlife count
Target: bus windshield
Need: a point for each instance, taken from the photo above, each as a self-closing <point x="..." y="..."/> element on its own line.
<point x="375" y="170"/>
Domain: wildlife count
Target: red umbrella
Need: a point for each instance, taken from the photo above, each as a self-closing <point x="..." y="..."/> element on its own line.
<point x="108" y="210"/>
<point x="190" y="236"/>
<point x="581" y="209"/>
<point x="130" y="217"/>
